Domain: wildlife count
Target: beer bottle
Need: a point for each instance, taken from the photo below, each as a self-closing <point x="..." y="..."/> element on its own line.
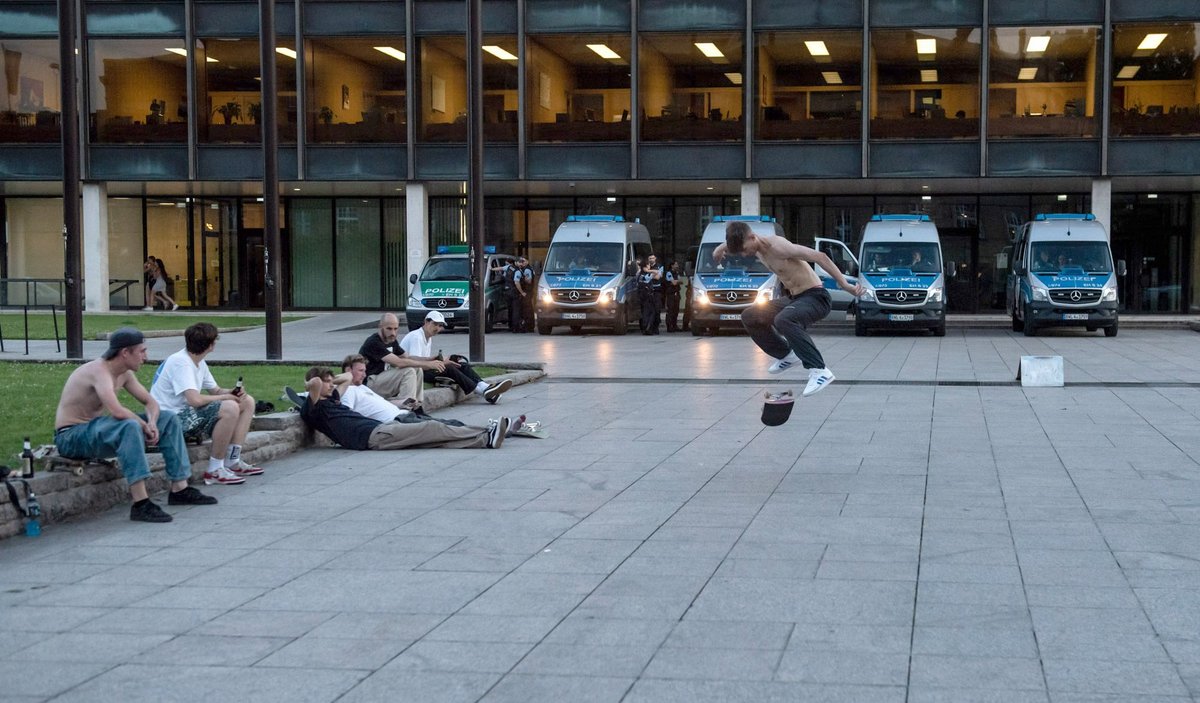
<point x="238" y="389"/>
<point x="27" y="460"/>
<point x="439" y="357"/>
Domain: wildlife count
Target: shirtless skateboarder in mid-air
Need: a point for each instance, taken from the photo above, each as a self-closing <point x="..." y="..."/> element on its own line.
<point x="780" y="327"/>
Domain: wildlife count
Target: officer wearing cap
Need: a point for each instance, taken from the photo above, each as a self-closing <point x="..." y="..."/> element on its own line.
<point x="91" y="423"/>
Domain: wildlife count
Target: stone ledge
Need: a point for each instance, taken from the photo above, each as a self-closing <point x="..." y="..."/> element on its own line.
<point x="64" y="496"/>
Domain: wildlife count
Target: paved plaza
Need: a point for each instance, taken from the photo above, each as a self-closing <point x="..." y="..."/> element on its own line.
<point x="924" y="530"/>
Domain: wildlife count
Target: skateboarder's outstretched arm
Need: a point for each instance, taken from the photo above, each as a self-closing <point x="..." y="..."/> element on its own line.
<point x="791" y="250"/>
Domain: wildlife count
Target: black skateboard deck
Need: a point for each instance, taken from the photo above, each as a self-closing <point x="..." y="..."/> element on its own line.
<point x="777" y="407"/>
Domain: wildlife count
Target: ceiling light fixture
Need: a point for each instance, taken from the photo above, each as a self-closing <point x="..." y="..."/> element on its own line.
<point x="709" y="49"/>
<point x="929" y="75"/>
<point x="604" y="51"/>
<point x="1128" y="72"/>
<point x="926" y="46"/>
<point x="832" y="77"/>
<point x="183" y="52"/>
<point x="290" y="53"/>
<point x="499" y="52"/>
<point x="1151" y="42"/>
<point x="734" y="78"/>
<point x="1037" y="45"/>
<point x="817" y="48"/>
<point x="1028" y="73"/>
<point x="393" y="52"/>
<point x="1062" y="198"/>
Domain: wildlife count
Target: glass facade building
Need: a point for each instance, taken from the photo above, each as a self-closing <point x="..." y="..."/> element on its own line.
<point x="821" y="113"/>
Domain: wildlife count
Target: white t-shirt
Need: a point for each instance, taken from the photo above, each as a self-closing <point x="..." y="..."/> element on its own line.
<point x="365" y="401"/>
<point x="415" y="343"/>
<point x="175" y="376"/>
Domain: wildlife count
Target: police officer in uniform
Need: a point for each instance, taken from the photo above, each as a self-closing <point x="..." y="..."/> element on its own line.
<point x="671" y="290"/>
<point x="524" y="277"/>
<point x="650" y="281"/>
<point x="514" y="294"/>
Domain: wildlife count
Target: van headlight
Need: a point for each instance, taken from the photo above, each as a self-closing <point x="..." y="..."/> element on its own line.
<point x="764" y="297"/>
<point x="608" y="296"/>
<point x="1109" y="295"/>
<point x="413" y="302"/>
<point x="700" y="295"/>
<point x="935" y="294"/>
<point x="544" y="294"/>
<point x="867" y="294"/>
<point x="1042" y="294"/>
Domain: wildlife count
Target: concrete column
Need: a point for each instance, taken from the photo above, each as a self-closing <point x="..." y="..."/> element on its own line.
<point x="751" y="204"/>
<point x="95" y="247"/>
<point x="1102" y="203"/>
<point x="416" y="231"/>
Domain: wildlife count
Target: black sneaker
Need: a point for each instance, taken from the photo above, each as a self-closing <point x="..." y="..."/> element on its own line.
<point x="493" y="392"/>
<point x="497" y="429"/>
<point x="189" y="496"/>
<point x="148" y="512"/>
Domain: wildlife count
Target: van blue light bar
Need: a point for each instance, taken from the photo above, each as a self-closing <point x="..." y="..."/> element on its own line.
<point x="1044" y="216"/>
<point x="743" y="218"/>
<point x="900" y="218"/>
<point x="463" y="249"/>
<point x="595" y="218"/>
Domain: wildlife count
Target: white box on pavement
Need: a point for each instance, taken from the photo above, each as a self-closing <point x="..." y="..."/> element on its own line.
<point x="1046" y="371"/>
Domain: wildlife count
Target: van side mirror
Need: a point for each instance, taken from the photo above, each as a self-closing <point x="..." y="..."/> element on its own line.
<point x="537" y="268"/>
<point x="412" y="278"/>
<point x="689" y="268"/>
<point x="631" y="269"/>
<point x="951" y="269"/>
<point x="1019" y="269"/>
<point x="1121" y="269"/>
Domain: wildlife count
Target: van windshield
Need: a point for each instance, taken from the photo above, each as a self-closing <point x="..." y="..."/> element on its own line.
<point x="1053" y="257"/>
<point x="918" y="257"/>
<point x="597" y="257"/>
<point x="456" y="269"/>
<point x="706" y="265"/>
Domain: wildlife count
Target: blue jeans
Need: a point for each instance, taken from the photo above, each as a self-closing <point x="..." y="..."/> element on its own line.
<point x="106" y="437"/>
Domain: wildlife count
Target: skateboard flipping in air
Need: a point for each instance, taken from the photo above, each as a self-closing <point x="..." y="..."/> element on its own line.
<point x="777" y="407"/>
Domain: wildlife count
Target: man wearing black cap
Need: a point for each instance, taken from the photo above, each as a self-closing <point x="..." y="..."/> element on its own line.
<point x="84" y="431"/>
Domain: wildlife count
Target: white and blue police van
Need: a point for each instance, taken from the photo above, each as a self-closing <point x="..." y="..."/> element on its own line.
<point x="900" y="265"/>
<point x="1062" y="274"/>
<point x="588" y="278"/>
<point x="444" y="285"/>
<point x="721" y="291"/>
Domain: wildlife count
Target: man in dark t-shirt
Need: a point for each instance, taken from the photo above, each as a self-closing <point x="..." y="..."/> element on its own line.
<point x="324" y="412"/>
<point x="389" y="373"/>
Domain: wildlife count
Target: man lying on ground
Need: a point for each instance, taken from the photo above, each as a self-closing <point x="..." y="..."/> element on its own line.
<point x="324" y="412"/>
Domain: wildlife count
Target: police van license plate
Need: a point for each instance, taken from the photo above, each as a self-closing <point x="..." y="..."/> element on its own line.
<point x="731" y="317"/>
<point x="1075" y="316"/>
<point x="447" y="315"/>
<point x="574" y="315"/>
<point x="902" y="317"/>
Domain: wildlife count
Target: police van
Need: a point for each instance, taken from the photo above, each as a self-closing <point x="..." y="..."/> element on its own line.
<point x="588" y="278"/>
<point x="900" y="263"/>
<point x="721" y="291"/>
<point x="444" y="285"/>
<point x="1062" y="274"/>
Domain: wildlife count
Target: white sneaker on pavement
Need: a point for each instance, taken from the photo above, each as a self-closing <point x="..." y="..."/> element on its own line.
<point x="223" y="476"/>
<point x="818" y="379"/>
<point x="785" y="363"/>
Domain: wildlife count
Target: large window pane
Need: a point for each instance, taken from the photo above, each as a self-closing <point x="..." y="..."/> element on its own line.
<point x="357" y="252"/>
<point x="230" y="90"/>
<point x="809" y="85"/>
<point x="138" y="91"/>
<point x="166" y="240"/>
<point x="125" y="251"/>
<point x="925" y="83"/>
<point x="443" y="90"/>
<point x="30" y="108"/>
<point x="1156" y="79"/>
<point x="578" y="88"/>
<point x="394" y="259"/>
<point x="356" y="90"/>
<point x="1043" y="82"/>
<point x="312" y="253"/>
<point x="691" y="86"/>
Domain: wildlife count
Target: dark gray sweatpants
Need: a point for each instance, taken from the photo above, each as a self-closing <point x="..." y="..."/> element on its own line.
<point x="781" y="325"/>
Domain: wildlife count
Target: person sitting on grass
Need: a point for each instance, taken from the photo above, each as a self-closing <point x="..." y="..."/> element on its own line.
<point x="324" y="412"/>
<point x="418" y="346"/>
<point x="184" y="385"/>
<point x="83" y="430"/>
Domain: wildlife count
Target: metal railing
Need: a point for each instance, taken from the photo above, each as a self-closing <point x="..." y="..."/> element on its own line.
<point x="25" y="317"/>
<point x="40" y="292"/>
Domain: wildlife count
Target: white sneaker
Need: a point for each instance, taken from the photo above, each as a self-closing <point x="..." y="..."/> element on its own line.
<point x="818" y="379"/>
<point x="147" y="309"/>
<point x="223" y="476"/>
<point x="785" y="363"/>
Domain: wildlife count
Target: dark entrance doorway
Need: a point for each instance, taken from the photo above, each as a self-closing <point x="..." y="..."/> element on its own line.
<point x="960" y="250"/>
<point x="251" y="272"/>
<point x="1151" y="235"/>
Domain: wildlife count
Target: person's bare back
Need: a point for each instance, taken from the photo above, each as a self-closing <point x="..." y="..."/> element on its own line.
<point x="81" y="399"/>
<point x="794" y="269"/>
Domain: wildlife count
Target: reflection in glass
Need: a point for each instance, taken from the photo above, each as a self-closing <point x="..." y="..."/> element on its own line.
<point x="926" y="83"/>
<point x="1061" y="257"/>
<point x="356" y="90"/>
<point x="137" y="91"/>
<point x="443" y="90"/>
<point x="917" y="257"/>
<point x="578" y="88"/>
<point x="691" y="87"/>
<point x="596" y="257"/>
<point x="1042" y="82"/>
<point x="29" y="107"/>
<point x="705" y="263"/>
<point x="229" y="85"/>
<point x="1156" y="79"/>
<point x="810" y="85"/>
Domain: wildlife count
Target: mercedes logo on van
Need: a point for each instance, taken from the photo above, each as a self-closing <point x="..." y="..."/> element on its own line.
<point x="442" y="303"/>
<point x="573" y="295"/>
<point x="901" y="297"/>
<point x="732" y="296"/>
<point x="1076" y="296"/>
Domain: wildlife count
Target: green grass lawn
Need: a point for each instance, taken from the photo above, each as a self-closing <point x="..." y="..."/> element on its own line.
<point x="35" y="389"/>
<point x="41" y="324"/>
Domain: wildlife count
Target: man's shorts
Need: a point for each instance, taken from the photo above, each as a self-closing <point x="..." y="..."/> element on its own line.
<point x="197" y="423"/>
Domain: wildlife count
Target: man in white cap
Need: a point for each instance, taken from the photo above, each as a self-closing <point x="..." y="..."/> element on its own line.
<point x="418" y="346"/>
<point x="82" y="430"/>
